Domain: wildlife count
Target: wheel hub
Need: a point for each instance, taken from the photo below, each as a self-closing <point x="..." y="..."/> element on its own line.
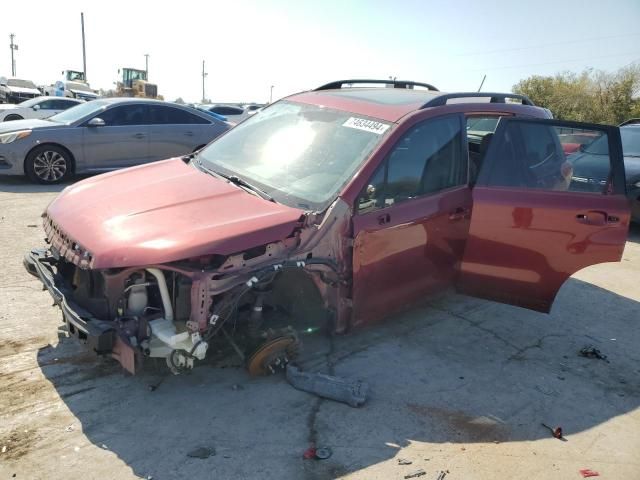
<point x="50" y="166"/>
<point x="273" y="355"/>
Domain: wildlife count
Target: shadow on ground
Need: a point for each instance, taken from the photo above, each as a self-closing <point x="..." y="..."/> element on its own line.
<point x="11" y="184"/>
<point x="460" y="370"/>
<point x="634" y="233"/>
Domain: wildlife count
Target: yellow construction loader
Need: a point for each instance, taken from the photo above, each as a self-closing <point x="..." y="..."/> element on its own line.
<point x="134" y="84"/>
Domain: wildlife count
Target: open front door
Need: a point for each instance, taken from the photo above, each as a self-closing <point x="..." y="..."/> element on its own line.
<point x="549" y="201"/>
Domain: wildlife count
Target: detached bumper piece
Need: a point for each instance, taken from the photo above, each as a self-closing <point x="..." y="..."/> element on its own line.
<point x="97" y="334"/>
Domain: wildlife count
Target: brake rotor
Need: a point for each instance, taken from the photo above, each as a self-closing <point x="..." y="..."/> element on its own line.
<point x="273" y="355"/>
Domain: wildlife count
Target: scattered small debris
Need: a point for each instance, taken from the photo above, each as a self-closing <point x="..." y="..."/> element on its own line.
<point x="201" y="452"/>
<point x="309" y="453"/>
<point x="32" y="226"/>
<point x="104" y="447"/>
<point x="415" y="474"/>
<point x="69" y="428"/>
<point x="76" y="449"/>
<point x="404" y="461"/>
<point x="149" y="477"/>
<point x="461" y="378"/>
<point x="588" y="473"/>
<point x="237" y="386"/>
<point x="560" y="377"/>
<point x="154" y="386"/>
<point x="592" y="352"/>
<point x="442" y="474"/>
<point x="323" y="453"/>
<point x="555" y="431"/>
<point x="4" y="448"/>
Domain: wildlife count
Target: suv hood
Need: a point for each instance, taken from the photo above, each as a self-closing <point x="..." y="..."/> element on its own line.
<point x="164" y="212"/>
<point x="23" y="90"/>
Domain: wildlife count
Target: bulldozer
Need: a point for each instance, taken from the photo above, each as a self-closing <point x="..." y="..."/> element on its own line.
<point x="134" y="84"/>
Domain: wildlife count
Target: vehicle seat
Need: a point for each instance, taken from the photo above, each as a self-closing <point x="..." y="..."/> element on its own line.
<point x="476" y="159"/>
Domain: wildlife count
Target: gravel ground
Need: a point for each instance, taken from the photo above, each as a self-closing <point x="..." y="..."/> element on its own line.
<point x="460" y="386"/>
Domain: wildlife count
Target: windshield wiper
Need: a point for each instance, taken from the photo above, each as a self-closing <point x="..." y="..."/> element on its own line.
<point x="236" y="181"/>
<point x="247" y="186"/>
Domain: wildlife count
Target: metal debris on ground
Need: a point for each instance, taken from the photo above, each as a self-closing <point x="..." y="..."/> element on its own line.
<point x="555" y="431"/>
<point x="588" y="473"/>
<point x="322" y="453"/>
<point x="351" y="392"/>
<point x="201" y="452"/>
<point x="404" y="461"/>
<point x="592" y="352"/>
<point x="442" y="474"/>
<point x="69" y="428"/>
<point x="415" y="474"/>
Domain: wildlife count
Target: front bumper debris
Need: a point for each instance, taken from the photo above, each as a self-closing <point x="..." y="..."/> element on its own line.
<point x="97" y="334"/>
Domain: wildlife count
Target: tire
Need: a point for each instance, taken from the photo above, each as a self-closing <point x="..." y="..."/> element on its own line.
<point x="48" y="164"/>
<point x="13" y="116"/>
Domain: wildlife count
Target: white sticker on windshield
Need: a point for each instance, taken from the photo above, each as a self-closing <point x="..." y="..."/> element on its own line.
<point x="366" y="125"/>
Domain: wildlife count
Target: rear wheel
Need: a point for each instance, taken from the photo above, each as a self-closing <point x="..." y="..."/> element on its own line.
<point x="48" y="164"/>
<point x="12" y="117"/>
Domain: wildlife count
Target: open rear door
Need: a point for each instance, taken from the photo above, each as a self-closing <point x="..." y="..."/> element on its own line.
<point x="549" y="201"/>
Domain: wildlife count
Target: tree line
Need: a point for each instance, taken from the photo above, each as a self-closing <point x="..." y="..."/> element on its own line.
<point x="592" y="96"/>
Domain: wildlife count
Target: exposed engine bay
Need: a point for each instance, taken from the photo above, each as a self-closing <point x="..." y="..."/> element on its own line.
<point x="256" y="304"/>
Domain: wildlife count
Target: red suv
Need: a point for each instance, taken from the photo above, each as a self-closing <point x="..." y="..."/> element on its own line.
<point x="332" y="207"/>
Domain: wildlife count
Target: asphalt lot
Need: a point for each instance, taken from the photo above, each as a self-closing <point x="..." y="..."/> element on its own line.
<point x="460" y="385"/>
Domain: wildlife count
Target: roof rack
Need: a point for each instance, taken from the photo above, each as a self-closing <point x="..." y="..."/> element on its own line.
<point x="495" y="98"/>
<point x="631" y="121"/>
<point x="338" y="84"/>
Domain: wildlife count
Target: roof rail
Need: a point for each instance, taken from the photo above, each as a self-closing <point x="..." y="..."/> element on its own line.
<point x="631" y="121"/>
<point x="338" y="84"/>
<point x="495" y="98"/>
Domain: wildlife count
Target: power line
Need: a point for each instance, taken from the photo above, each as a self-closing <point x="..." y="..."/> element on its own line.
<point x="544" y="45"/>
<point x="507" y="67"/>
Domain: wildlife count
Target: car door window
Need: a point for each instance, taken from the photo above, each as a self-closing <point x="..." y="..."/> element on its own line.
<point x="122" y="115"/>
<point x="549" y="157"/>
<point x="160" y="115"/>
<point x="47" y="105"/>
<point x="222" y="110"/>
<point x="429" y="158"/>
<point x="63" y="104"/>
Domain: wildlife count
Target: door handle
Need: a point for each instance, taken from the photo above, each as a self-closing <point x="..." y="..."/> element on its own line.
<point x="458" y="214"/>
<point x="189" y="134"/>
<point x="596" y="217"/>
<point x="138" y="135"/>
<point x="384" y="219"/>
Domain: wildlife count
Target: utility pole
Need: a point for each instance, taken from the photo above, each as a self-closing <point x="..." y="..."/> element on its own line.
<point x="271" y="94"/>
<point x="204" y="74"/>
<point x="146" y="65"/>
<point x="482" y="83"/>
<point x="13" y="47"/>
<point x="84" y="51"/>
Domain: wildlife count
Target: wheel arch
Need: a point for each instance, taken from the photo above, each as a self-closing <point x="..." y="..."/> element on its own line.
<point x="55" y="144"/>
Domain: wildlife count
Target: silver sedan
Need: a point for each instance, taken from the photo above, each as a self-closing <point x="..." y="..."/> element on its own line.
<point x="103" y="135"/>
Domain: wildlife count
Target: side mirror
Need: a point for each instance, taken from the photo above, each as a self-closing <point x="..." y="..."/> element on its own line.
<point x="36" y="107"/>
<point x="96" y="122"/>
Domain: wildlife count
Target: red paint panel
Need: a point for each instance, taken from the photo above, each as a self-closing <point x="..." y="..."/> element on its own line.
<point x="163" y="212"/>
<point x="523" y="244"/>
<point x="414" y="255"/>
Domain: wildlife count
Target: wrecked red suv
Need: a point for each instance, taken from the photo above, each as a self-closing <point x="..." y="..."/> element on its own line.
<point x="334" y="208"/>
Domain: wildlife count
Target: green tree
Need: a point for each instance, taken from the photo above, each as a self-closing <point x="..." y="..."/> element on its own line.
<point x="591" y="96"/>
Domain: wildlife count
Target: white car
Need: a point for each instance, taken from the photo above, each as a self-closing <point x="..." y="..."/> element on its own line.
<point x="39" y="107"/>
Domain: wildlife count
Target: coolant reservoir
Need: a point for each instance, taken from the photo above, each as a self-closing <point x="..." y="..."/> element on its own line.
<point x="138" y="299"/>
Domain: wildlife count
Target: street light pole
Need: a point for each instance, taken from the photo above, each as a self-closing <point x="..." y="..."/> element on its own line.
<point x="146" y="65"/>
<point x="204" y="74"/>
<point x="84" y="51"/>
<point x="13" y="47"/>
<point x="271" y="94"/>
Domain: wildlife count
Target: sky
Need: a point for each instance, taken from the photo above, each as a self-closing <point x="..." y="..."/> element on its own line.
<point x="294" y="45"/>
